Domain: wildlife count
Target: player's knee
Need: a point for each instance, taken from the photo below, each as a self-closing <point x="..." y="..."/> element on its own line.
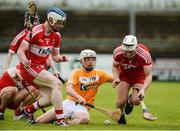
<point x="135" y="101"/>
<point x="120" y="104"/>
<point x="35" y="92"/>
<point x="31" y="88"/>
<point x="39" y="121"/>
<point x="9" y="93"/>
<point x="84" y="120"/>
<point x="56" y="84"/>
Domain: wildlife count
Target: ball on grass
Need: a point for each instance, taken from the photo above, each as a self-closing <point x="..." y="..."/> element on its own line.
<point x="107" y="122"/>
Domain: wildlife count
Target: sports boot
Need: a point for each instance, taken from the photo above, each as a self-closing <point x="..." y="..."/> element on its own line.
<point x="28" y="116"/>
<point x="129" y="107"/>
<point x="122" y="120"/>
<point x="61" y="123"/>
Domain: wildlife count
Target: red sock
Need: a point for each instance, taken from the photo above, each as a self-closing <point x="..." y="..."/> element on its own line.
<point x="17" y="112"/>
<point x="30" y="109"/>
<point x="59" y="115"/>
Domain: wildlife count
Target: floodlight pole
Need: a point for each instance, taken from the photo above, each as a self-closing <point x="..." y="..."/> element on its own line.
<point x="132" y="22"/>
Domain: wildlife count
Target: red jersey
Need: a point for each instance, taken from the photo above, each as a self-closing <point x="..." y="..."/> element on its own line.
<point x="141" y="58"/>
<point x="41" y="44"/>
<point x="17" y="41"/>
<point x="7" y="80"/>
<point x="131" y="70"/>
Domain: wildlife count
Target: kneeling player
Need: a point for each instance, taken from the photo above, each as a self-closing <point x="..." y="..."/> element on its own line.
<point x="12" y="92"/>
<point x="82" y="87"/>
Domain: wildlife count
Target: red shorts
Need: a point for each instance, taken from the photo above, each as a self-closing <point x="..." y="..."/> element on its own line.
<point x="6" y="81"/>
<point x="133" y="77"/>
<point x="29" y="74"/>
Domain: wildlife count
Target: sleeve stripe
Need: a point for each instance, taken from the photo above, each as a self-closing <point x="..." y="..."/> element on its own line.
<point x="115" y="62"/>
<point x="117" y="51"/>
<point x="19" y="36"/>
<point x="37" y="29"/>
<point x="115" y="55"/>
<point x="144" y="54"/>
<point x="35" y="33"/>
<point x="56" y="48"/>
<point x="25" y="42"/>
<point x="148" y="65"/>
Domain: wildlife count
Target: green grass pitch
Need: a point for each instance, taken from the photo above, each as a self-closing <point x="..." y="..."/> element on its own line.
<point x="162" y="99"/>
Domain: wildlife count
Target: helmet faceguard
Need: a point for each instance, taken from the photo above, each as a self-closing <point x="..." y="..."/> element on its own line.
<point x="56" y="19"/>
<point x="129" y="45"/>
<point x="87" y="54"/>
<point x="30" y="21"/>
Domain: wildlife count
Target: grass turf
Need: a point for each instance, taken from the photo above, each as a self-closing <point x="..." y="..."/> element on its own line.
<point x="161" y="99"/>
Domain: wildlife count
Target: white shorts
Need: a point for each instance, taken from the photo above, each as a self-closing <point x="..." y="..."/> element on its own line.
<point x="70" y="107"/>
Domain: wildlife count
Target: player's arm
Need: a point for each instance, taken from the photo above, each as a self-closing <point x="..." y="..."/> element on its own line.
<point x="109" y="78"/>
<point x="57" y="57"/>
<point x="148" y="79"/>
<point x="70" y="91"/>
<point x="7" y="61"/>
<point x="116" y="73"/>
<point x="51" y="63"/>
<point x="21" y="53"/>
<point x="106" y="77"/>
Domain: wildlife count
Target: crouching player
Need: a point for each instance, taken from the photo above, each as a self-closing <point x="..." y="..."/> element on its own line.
<point x="12" y="92"/>
<point x="82" y="87"/>
<point x="132" y="67"/>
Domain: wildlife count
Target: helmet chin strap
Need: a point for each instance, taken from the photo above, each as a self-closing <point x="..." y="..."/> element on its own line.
<point x="88" y="68"/>
<point x="50" y="25"/>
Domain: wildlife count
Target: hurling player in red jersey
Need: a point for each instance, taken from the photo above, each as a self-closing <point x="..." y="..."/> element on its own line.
<point x="132" y="67"/>
<point x="33" y="54"/>
<point x="12" y="91"/>
<point x="13" y="49"/>
<point x="19" y="37"/>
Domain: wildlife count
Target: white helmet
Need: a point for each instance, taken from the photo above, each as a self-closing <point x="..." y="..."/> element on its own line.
<point x="129" y="43"/>
<point x="87" y="53"/>
<point x="56" y="14"/>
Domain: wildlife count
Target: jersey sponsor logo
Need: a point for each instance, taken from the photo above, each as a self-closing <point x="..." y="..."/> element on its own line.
<point x="84" y="87"/>
<point x="41" y="50"/>
<point x="44" y="51"/>
<point x="88" y="80"/>
<point x="128" y="66"/>
<point x="90" y="86"/>
<point x="90" y="83"/>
